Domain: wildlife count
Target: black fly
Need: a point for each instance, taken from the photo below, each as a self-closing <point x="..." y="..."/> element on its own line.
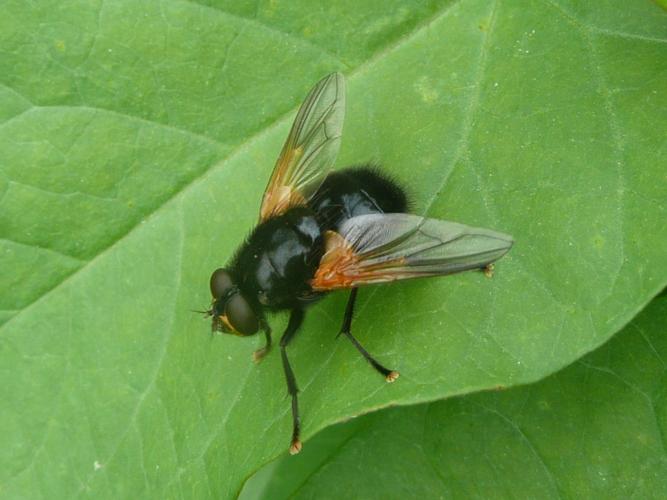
<point x="320" y="231"/>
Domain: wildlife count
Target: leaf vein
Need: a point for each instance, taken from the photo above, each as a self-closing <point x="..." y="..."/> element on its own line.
<point x="44" y="249"/>
<point x="272" y="29"/>
<point x="163" y="352"/>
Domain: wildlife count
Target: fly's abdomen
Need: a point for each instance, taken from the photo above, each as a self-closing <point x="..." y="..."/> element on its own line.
<point x="356" y="191"/>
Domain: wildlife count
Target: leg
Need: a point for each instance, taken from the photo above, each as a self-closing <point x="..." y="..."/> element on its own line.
<point x="259" y="354"/>
<point x="488" y="270"/>
<point x="295" y="320"/>
<point x="389" y="375"/>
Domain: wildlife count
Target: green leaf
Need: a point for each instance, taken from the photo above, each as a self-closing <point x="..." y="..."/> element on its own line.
<point x="593" y="430"/>
<point x="136" y="143"/>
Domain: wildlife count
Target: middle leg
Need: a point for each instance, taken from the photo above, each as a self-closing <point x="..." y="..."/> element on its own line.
<point x="389" y="375"/>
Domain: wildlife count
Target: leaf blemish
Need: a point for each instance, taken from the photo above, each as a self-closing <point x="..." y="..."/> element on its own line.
<point x="426" y="90"/>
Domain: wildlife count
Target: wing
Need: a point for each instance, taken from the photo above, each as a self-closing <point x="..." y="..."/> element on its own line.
<point x="310" y="149"/>
<point x="377" y="248"/>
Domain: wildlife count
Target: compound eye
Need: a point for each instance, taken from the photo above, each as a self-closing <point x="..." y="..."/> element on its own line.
<point x="241" y="316"/>
<point x="221" y="281"/>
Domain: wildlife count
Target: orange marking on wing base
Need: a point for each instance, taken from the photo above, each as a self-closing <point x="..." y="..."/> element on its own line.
<point x="338" y="255"/>
<point x="279" y="200"/>
<point x="278" y="196"/>
<point x="342" y="267"/>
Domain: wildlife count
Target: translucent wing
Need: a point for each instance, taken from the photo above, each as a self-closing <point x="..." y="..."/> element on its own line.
<point x="377" y="248"/>
<point x="310" y="150"/>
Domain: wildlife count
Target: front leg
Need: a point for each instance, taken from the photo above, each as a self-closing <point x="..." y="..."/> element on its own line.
<point x="259" y="354"/>
<point x="389" y="375"/>
<point x="295" y="320"/>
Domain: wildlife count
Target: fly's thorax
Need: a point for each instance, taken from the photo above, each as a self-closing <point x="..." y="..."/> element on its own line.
<point x="279" y="258"/>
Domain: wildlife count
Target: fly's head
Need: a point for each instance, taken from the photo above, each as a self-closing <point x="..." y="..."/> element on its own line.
<point x="230" y="311"/>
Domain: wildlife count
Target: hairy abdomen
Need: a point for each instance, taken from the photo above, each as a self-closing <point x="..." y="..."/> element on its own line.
<point x="356" y="191"/>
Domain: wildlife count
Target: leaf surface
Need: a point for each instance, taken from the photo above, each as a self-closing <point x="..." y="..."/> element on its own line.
<point x="137" y="140"/>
